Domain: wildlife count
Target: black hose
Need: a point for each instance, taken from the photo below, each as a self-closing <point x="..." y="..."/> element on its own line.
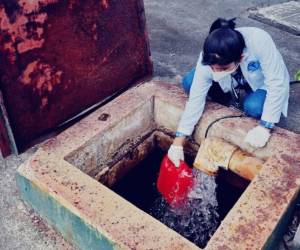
<point x="293" y="82"/>
<point x="221" y="118"/>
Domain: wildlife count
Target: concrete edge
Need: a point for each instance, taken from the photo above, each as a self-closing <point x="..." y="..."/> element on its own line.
<point x="72" y="227"/>
<point x="282" y="143"/>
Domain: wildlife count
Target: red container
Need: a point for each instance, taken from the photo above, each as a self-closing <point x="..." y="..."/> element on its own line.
<point x="174" y="183"/>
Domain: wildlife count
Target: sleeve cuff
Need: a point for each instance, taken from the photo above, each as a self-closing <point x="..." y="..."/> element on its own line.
<point x="183" y="130"/>
<point x="180" y="134"/>
<point x="266" y="124"/>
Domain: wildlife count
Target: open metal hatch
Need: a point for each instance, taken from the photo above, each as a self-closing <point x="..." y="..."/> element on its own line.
<point x="58" y="58"/>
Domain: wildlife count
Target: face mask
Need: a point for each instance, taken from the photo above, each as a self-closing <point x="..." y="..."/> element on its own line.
<point x="217" y="76"/>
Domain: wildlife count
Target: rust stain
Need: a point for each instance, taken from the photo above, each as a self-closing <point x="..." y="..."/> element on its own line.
<point x="43" y="77"/>
<point x="104" y="4"/>
<point x="30" y="6"/>
<point x="72" y="4"/>
<point x="44" y="102"/>
<point x="223" y="247"/>
<point x="24" y="33"/>
<point x="294" y="162"/>
<point x="94" y="31"/>
<point x="289" y="170"/>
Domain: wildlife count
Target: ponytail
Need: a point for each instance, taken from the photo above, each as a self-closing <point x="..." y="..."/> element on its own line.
<point x="222" y="23"/>
<point x="224" y="44"/>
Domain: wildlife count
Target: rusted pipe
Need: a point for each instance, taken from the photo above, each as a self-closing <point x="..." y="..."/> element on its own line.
<point x="244" y="164"/>
<point x="216" y="152"/>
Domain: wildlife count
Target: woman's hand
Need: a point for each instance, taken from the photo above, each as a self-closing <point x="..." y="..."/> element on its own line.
<point x="258" y="136"/>
<point x="175" y="152"/>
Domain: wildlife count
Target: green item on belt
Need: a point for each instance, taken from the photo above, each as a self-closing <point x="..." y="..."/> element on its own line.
<point x="297" y="76"/>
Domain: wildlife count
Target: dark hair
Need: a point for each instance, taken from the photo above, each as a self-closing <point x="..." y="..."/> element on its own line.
<point x="224" y="44"/>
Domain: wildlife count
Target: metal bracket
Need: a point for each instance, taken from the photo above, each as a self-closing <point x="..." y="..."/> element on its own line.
<point x="8" y="137"/>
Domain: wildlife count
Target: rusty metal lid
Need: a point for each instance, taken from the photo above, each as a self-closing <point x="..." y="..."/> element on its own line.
<point x="60" y="57"/>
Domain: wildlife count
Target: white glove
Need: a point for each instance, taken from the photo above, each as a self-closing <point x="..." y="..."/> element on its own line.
<point x="175" y="154"/>
<point x="258" y="137"/>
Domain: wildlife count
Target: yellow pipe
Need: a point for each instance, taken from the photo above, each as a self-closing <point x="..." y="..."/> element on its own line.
<point x="215" y="152"/>
<point x="244" y="164"/>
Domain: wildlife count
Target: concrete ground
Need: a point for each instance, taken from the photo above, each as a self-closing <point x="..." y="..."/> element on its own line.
<point x="21" y="227"/>
<point x="177" y="30"/>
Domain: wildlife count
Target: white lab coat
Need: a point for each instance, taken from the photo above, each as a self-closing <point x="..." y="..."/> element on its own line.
<point x="270" y="73"/>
